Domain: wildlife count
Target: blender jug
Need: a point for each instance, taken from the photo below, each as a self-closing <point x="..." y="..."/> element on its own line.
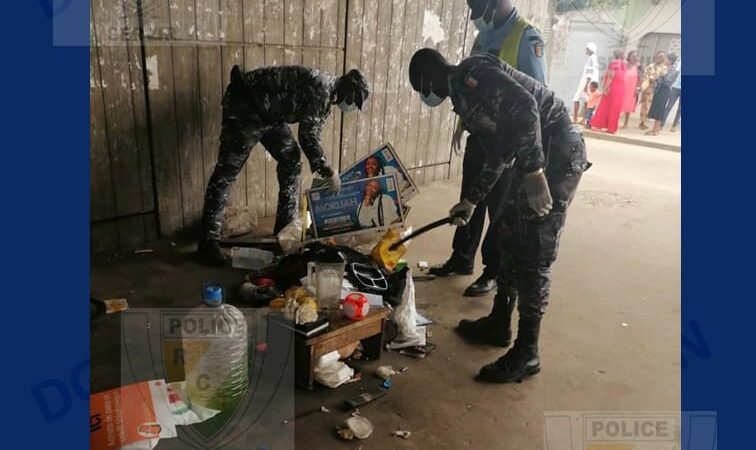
<point x="326" y="274"/>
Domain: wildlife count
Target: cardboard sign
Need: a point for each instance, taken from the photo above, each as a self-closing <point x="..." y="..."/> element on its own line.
<point x="382" y="161"/>
<point x="364" y="205"/>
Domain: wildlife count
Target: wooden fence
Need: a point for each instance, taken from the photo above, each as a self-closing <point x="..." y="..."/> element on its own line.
<point x="159" y="68"/>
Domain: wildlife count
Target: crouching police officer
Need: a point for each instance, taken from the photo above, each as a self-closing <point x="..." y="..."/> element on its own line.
<point x="518" y="121"/>
<point x="257" y="107"/>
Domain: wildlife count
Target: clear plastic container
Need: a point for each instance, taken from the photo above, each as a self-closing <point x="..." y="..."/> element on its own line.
<point x="216" y="362"/>
<point x="250" y="258"/>
<point x="327" y="279"/>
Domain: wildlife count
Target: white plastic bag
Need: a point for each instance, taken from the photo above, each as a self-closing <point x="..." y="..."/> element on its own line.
<point x="334" y="375"/>
<point x="290" y="237"/>
<point x="405" y="317"/>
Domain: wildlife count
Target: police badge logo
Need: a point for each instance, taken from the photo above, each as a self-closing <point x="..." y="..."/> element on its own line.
<point x="538" y="49"/>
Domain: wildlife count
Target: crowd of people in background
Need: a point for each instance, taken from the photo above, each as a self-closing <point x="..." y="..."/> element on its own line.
<point x="626" y="87"/>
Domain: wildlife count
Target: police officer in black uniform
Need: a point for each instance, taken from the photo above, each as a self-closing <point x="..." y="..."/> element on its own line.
<point x="257" y="107"/>
<point x="520" y="123"/>
<point x="504" y="33"/>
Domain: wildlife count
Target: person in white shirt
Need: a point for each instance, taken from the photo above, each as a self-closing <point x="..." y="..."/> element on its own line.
<point x="590" y="73"/>
<point x="377" y="209"/>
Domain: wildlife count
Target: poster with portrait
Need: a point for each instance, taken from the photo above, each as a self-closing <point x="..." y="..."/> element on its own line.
<point x="383" y="161"/>
<point x="364" y="205"/>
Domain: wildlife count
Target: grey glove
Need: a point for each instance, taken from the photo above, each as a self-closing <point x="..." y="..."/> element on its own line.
<point x="334" y="183"/>
<point x="461" y="212"/>
<point x="537" y="192"/>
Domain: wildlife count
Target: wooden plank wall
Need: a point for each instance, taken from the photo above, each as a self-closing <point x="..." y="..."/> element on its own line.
<point x="381" y="39"/>
<point x="189" y="48"/>
<point x="122" y="207"/>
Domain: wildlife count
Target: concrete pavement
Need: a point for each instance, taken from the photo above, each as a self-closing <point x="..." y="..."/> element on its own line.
<point x="665" y="140"/>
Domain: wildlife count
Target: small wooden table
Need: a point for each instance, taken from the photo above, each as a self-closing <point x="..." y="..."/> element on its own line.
<point x="340" y="333"/>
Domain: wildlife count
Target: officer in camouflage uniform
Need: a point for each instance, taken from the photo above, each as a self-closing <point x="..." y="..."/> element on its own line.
<point x="504" y="33"/>
<point x="522" y="124"/>
<point x="257" y="107"/>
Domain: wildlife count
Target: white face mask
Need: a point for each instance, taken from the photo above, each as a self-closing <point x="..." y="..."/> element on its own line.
<point x="347" y="107"/>
<point x="431" y="99"/>
<point x="481" y="24"/>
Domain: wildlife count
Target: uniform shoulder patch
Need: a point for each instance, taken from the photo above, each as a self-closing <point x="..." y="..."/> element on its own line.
<point x="538" y="49"/>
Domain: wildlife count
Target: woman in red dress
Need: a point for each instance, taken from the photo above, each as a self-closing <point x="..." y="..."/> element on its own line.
<point x="608" y="113"/>
<point x="632" y="85"/>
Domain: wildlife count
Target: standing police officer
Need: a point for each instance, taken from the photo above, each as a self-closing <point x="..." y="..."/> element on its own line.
<point x="510" y="37"/>
<point x="257" y="107"/>
<point x="519" y="123"/>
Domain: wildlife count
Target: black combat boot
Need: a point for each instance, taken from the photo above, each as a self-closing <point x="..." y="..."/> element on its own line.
<point x="482" y="286"/>
<point x="496" y="328"/>
<point x="210" y="253"/>
<point x="456" y="265"/>
<point x="521" y="361"/>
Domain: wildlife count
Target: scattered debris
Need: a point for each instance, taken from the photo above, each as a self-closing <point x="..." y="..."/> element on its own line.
<point x="428" y="277"/>
<point x="624" y="324"/>
<point x="364" y="398"/>
<point x="143" y="251"/>
<point x="419" y="352"/>
<point x="344" y="433"/>
<point x="360" y="427"/>
<point x="403" y="369"/>
<point x="250" y="258"/>
<point x="422" y="264"/>
<point x="334" y="375"/>
<point x="404" y="434"/>
<point x="385" y="372"/>
<point x="357" y="377"/>
<point x="324" y="409"/>
<point x="152" y="409"/>
<point x="602" y="372"/>
<point x="115" y="305"/>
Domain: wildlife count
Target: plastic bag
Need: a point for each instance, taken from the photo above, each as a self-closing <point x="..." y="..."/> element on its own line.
<point x="290" y="237"/>
<point x="405" y="317"/>
<point x="334" y="375"/>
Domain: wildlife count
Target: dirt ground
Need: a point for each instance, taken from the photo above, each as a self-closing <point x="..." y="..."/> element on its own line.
<point x="610" y="339"/>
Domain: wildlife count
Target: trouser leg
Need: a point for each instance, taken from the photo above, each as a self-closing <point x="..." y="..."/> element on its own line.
<point x="280" y="143"/>
<point x="492" y="242"/>
<point x="536" y="239"/>
<point x="495" y="328"/>
<point x="534" y="247"/>
<point x="235" y="144"/>
<point x="467" y="238"/>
